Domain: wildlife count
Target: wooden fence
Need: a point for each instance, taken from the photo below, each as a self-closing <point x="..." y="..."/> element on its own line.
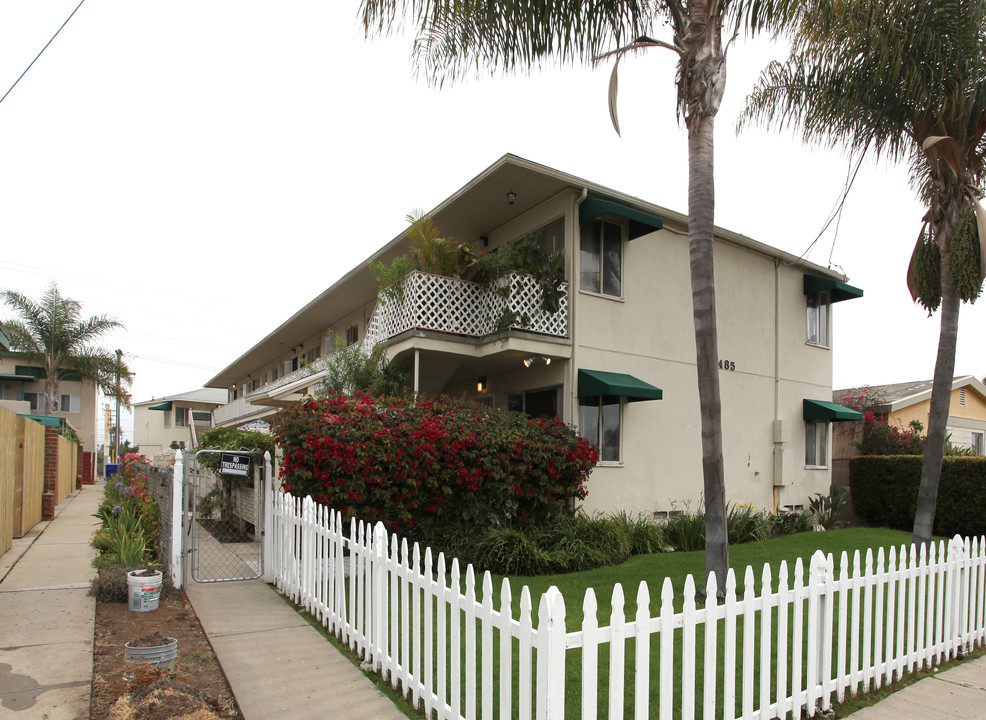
<point x="457" y="648"/>
<point x="68" y="467"/>
<point x="22" y="448"/>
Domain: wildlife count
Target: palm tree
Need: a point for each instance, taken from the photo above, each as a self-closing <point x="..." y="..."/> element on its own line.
<point x="53" y="334"/>
<point x="455" y="37"/>
<point x="901" y="78"/>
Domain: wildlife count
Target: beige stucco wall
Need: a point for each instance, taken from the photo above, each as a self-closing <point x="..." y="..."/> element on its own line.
<point x="152" y="436"/>
<point x="649" y="334"/>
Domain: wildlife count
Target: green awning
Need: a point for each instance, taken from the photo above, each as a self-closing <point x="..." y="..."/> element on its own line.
<point x="838" y="291"/>
<point x="15" y="376"/>
<point x="594" y="383"/>
<point x="49" y="420"/>
<point x="35" y="372"/>
<point x="640" y="222"/>
<point x="161" y="406"/>
<point x="829" y="411"/>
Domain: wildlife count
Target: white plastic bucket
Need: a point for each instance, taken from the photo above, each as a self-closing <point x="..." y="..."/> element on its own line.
<point x="144" y="592"/>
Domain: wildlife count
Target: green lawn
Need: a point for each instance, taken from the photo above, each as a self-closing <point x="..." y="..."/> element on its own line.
<point x="654" y="569"/>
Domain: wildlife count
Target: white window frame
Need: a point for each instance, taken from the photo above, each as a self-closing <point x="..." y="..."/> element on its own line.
<point x="977" y="442"/>
<point x="36" y="399"/>
<point x="600" y="255"/>
<point x="167" y="417"/>
<point x="181" y="417"/>
<point x="73" y="403"/>
<point x="597" y="440"/>
<point x="816" y="447"/>
<point x="818" y="312"/>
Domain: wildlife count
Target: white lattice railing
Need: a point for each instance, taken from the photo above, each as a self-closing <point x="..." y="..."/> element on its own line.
<point x="443" y="304"/>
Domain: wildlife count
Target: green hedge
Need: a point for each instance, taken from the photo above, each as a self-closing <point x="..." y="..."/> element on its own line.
<point x="884" y="492"/>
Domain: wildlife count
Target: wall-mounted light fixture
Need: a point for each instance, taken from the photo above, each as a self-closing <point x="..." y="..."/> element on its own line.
<point x="481" y="384"/>
<point x="537" y="360"/>
<point x="511" y="197"/>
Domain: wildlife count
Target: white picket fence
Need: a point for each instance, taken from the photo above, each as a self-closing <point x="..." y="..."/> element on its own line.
<point x="814" y="638"/>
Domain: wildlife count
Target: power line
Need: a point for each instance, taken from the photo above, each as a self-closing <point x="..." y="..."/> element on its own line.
<point x="851" y="177"/>
<point x="42" y="50"/>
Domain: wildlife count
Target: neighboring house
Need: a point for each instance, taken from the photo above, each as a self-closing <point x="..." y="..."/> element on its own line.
<point x="617" y="360"/>
<point x="22" y="391"/>
<point x="159" y="422"/>
<point x="902" y="403"/>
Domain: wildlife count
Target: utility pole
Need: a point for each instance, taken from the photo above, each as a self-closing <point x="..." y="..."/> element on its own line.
<point x="119" y="360"/>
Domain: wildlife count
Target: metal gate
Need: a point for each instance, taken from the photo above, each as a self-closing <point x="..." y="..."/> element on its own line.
<point x="225" y="510"/>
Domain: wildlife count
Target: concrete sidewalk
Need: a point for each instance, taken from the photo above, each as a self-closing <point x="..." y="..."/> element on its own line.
<point x="47" y="616"/>
<point x="278" y="665"/>
<point x="956" y="694"/>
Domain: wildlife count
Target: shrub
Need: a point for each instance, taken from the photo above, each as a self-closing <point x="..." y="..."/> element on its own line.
<point x="826" y="508"/>
<point x="744" y="523"/>
<point x="128" y="516"/>
<point x="646" y="536"/>
<point x="409" y="463"/>
<point x="685" y="531"/>
<point x="884" y="492"/>
<point x="509" y="551"/>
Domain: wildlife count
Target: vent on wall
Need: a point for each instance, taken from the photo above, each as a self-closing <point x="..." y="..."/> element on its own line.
<point x="961" y="396"/>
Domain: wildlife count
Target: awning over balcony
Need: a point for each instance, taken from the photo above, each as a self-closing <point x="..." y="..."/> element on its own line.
<point x="829" y="411"/>
<point x="640" y="222"/>
<point x="838" y="291"/>
<point x="161" y="406"/>
<point x="594" y="383"/>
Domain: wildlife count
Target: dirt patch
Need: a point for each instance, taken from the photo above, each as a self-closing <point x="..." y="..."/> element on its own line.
<point x="195" y="690"/>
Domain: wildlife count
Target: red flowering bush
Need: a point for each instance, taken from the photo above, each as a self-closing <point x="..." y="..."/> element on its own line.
<point x="418" y="463"/>
<point x="880" y="437"/>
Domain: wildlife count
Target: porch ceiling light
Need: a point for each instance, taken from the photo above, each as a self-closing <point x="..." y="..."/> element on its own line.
<point x="536" y="360"/>
<point x="481" y="384"/>
<point x="511" y="197"/>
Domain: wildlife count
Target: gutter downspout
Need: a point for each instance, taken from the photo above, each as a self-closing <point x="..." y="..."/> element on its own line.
<point x="778" y="478"/>
<point x="572" y="371"/>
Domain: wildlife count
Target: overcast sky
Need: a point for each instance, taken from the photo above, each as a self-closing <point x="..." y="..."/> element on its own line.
<point x="201" y="169"/>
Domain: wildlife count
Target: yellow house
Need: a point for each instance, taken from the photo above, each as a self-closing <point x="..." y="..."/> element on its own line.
<point x="902" y="403"/>
<point x="617" y="358"/>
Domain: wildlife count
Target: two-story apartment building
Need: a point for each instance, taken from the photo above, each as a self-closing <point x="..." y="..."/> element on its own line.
<point x="22" y="391"/>
<point x="177" y="419"/>
<point x="617" y="359"/>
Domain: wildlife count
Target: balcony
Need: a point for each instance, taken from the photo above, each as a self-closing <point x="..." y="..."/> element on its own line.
<point x="432" y="303"/>
<point x="441" y="304"/>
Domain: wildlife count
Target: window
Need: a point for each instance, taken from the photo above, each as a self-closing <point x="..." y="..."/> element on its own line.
<point x="273" y="375"/>
<point x="818" y="318"/>
<point x="329" y="344"/>
<point x="977" y="443"/>
<point x="70" y="404"/>
<point x="352" y="334"/>
<point x="167" y="415"/>
<point x="37" y="400"/>
<point x="290" y="365"/>
<point x="601" y="258"/>
<point x="487" y="400"/>
<point x="181" y="416"/>
<point x="551" y="238"/>
<point x="599" y="424"/>
<point x="816" y="443"/>
<point x="314" y="354"/>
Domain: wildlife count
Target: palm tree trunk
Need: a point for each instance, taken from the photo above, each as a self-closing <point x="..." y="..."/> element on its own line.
<point x="701" y="211"/>
<point x="941" y="396"/>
